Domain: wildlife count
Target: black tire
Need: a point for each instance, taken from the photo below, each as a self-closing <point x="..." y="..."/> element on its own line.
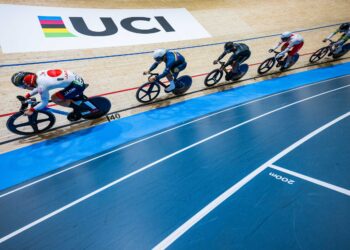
<point x="266" y="65"/>
<point x="102" y="104"/>
<point x="213" y="77"/>
<point x="147" y="92"/>
<point x="343" y="52"/>
<point x="319" y="54"/>
<point x="184" y="82"/>
<point x="35" y="123"/>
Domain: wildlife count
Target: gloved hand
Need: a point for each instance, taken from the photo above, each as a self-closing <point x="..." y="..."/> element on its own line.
<point x="152" y="78"/>
<point x="270" y="50"/>
<point x="215" y="62"/>
<point x="146" y="72"/>
<point x="280" y="55"/>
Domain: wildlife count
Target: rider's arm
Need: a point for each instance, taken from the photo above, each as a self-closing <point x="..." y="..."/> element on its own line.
<point x="344" y="38"/>
<point x="331" y="35"/>
<point x="291" y="44"/>
<point x="154" y="66"/>
<point x="279" y="44"/>
<point x="222" y="55"/>
<point x="170" y="61"/>
<point x="32" y="93"/>
<point x="45" y="97"/>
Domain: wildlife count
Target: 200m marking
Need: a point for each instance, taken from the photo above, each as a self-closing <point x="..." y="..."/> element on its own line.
<point x="281" y="178"/>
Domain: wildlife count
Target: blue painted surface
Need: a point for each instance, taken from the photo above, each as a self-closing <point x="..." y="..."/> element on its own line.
<point x="55" y="153"/>
<point x="332" y="157"/>
<point x="139" y="212"/>
<point x="269" y="214"/>
<point x="148" y="52"/>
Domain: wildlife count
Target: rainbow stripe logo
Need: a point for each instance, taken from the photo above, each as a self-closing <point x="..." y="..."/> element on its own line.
<point x="53" y="26"/>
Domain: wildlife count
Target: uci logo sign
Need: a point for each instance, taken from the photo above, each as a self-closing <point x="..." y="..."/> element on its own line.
<point x="53" y="26"/>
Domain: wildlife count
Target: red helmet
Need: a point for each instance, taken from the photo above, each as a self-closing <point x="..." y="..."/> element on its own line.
<point x="23" y="79"/>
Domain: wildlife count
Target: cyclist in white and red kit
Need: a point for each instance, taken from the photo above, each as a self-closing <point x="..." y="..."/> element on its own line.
<point x="292" y="43"/>
<point x="43" y="81"/>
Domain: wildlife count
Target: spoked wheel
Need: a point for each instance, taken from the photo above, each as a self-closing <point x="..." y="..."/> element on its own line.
<point x="266" y="65"/>
<point x="345" y="50"/>
<point x="38" y="122"/>
<point x="213" y="77"/>
<point x="147" y="92"/>
<point x="318" y="55"/>
<point x="183" y="83"/>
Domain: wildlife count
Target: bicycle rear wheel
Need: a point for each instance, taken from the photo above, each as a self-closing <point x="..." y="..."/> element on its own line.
<point x="345" y="50"/>
<point x="185" y="82"/>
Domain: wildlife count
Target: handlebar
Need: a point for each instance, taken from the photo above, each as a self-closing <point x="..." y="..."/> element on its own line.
<point x="150" y="74"/>
<point x="26" y="102"/>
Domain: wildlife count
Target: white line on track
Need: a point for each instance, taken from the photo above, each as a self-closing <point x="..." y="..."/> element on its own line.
<point x="313" y="180"/>
<point x="163" y="132"/>
<point x="46" y="217"/>
<point x="229" y="192"/>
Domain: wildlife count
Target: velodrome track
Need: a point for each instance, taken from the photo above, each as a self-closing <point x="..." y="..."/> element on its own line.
<point x="232" y="183"/>
<point x="257" y="164"/>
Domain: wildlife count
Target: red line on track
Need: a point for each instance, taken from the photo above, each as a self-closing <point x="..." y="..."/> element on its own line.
<point x="130" y="89"/>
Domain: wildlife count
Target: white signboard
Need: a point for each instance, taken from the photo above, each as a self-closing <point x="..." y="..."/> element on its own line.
<point x="29" y="28"/>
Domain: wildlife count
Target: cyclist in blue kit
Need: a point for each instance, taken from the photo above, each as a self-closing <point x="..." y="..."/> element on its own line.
<point x="174" y="64"/>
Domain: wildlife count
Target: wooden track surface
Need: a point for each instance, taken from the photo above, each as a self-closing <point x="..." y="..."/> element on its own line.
<point x="224" y="20"/>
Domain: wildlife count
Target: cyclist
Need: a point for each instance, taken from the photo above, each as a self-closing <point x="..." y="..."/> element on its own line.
<point x="343" y="29"/>
<point x="174" y="64"/>
<point x="240" y="53"/>
<point x="44" y="81"/>
<point x="292" y="43"/>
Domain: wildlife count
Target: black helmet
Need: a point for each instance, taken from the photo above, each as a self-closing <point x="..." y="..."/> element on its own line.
<point x="344" y="27"/>
<point x="17" y="78"/>
<point x="229" y="46"/>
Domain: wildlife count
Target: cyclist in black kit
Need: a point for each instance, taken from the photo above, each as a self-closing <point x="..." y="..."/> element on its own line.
<point x="240" y="53"/>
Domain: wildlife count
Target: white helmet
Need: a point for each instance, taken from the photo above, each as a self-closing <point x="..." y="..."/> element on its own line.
<point x="159" y="54"/>
<point x="286" y="35"/>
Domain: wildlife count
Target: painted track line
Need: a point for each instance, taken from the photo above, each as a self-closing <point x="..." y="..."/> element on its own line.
<point x="48" y="216"/>
<point x="313" y="180"/>
<point x="160" y="133"/>
<point x="229" y="192"/>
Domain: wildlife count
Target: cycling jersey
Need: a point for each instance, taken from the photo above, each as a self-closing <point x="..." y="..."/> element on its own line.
<point x="173" y="60"/>
<point x="345" y="35"/>
<point x="53" y="79"/>
<point x="241" y="54"/>
<point x="294" y="40"/>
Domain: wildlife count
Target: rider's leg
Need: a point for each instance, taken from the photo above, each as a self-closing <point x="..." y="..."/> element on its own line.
<point x="69" y="97"/>
<point x="171" y="86"/>
<point x="58" y="98"/>
<point x="289" y="59"/>
<point x="173" y="76"/>
<point x="292" y="53"/>
<point x="339" y="46"/>
<point x="241" y="58"/>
